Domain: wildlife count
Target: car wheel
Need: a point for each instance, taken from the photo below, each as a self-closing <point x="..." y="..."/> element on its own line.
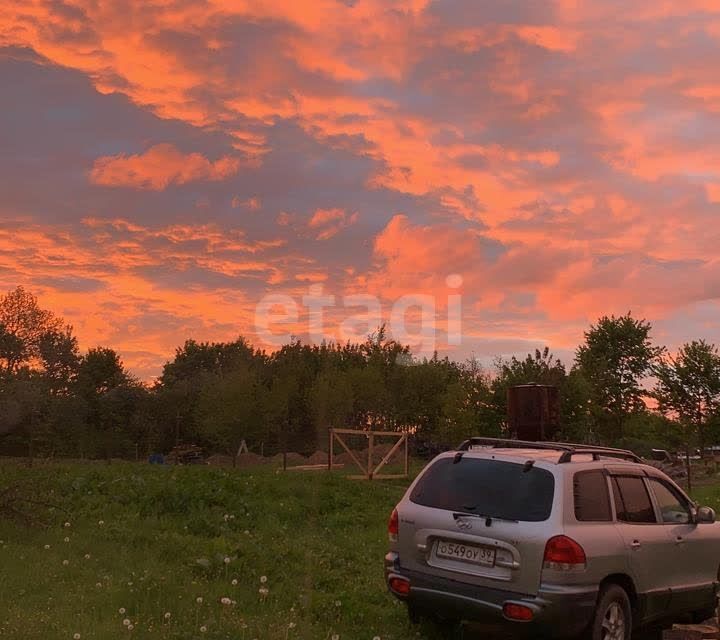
<point x="613" y="616"/>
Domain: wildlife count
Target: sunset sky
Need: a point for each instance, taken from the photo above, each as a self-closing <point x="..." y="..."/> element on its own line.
<point x="165" y="164"/>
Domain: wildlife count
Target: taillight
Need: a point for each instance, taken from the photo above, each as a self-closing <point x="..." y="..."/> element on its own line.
<point x="393" y="526"/>
<point x="401" y="586"/>
<point x="564" y="554"/>
<point x="518" y="612"/>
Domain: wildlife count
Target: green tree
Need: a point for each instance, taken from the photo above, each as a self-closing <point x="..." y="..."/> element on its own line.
<point x="60" y="358"/>
<point x="12" y="351"/>
<point x="688" y="387"/>
<point x="22" y="317"/>
<point x="614" y="359"/>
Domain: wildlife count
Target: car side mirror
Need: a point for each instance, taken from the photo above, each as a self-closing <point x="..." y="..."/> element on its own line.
<point x="705" y="515"/>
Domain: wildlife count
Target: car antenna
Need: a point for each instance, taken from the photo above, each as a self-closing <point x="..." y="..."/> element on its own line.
<point x="528" y="465"/>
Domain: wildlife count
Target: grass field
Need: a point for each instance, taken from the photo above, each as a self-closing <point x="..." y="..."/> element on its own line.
<point x="151" y="552"/>
<point x="141" y="551"/>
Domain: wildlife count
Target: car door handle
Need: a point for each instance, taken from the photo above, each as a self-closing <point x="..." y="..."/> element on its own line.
<point x="679" y="540"/>
<point x="635" y="544"/>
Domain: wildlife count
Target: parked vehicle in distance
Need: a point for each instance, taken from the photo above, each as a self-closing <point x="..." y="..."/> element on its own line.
<point x="552" y="539"/>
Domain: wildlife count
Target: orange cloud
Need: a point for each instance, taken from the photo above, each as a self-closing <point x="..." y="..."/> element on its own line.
<point x="160" y="166"/>
<point x="329" y="222"/>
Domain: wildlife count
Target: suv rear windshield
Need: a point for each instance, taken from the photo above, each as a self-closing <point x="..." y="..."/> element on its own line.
<point x="489" y="488"/>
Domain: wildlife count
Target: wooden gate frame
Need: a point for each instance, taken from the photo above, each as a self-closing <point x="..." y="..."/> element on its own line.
<point x="368" y="473"/>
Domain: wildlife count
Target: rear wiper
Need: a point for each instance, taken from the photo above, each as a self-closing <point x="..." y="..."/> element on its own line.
<point x="488" y="519"/>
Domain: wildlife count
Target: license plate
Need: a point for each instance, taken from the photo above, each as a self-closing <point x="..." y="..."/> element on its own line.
<point x="484" y="556"/>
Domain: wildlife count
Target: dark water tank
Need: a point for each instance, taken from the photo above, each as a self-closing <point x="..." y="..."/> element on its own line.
<point x="533" y="411"/>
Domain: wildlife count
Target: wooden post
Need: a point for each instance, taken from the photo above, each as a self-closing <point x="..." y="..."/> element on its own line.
<point x="330" y="449"/>
<point x="371" y="439"/>
<point x="406" y="454"/>
<point x="284" y="460"/>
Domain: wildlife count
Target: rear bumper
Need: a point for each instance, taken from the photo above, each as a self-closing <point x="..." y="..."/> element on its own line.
<point x="558" y="611"/>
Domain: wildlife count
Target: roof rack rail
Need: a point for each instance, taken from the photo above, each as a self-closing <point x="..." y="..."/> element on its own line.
<point x="568" y="449"/>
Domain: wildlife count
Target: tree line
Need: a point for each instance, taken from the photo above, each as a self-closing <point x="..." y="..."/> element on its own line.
<point x="621" y="390"/>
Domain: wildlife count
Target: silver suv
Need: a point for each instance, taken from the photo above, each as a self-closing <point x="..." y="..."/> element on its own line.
<point x="556" y="539"/>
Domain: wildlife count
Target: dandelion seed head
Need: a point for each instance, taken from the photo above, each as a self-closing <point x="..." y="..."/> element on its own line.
<point x="66" y="539"/>
<point x="203" y="629"/>
<point x="87" y="556"/>
<point x="101" y="522"/>
<point x="226" y="560"/>
<point x="225" y="600"/>
<point x="263" y="579"/>
<point x="121" y="610"/>
<point x="167" y="615"/>
<point x="199" y="599"/>
<point x="67" y="525"/>
<point x="131" y="627"/>
<point x="234" y="582"/>
<point x="76" y="636"/>
<point x="47" y="546"/>
<point x="66" y="563"/>
<point x="126" y="622"/>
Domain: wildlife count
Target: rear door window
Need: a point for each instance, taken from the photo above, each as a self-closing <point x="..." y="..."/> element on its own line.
<point x="488" y="488"/>
<point x="592" y="501"/>
<point x="632" y="501"/>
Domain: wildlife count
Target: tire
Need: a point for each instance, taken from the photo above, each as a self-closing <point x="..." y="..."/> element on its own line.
<point x="613" y="616"/>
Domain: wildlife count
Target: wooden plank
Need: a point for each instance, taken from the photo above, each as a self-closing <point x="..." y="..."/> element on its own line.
<point x="691" y="632"/>
<point x="390" y="476"/>
<point x="314" y="467"/>
<point x="350" y="453"/>
<point x="389" y="455"/>
<point x="359" y="432"/>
